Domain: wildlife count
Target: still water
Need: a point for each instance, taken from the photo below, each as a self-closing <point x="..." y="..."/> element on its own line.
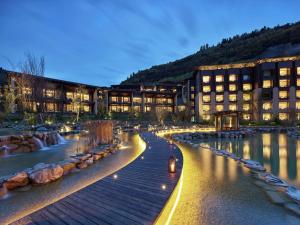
<point x="277" y="152"/>
<point x="24" y="201"/>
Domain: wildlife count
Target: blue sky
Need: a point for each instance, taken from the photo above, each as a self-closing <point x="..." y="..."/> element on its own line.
<point x="101" y="42"/>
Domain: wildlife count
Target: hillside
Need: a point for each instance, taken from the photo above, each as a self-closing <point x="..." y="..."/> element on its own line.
<point x="266" y="42"/>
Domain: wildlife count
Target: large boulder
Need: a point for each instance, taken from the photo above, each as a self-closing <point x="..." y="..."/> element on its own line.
<point x="68" y="166"/>
<point x="3" y="189"/>
<point x="17" y="180"/>
<point x="45" y="173"/>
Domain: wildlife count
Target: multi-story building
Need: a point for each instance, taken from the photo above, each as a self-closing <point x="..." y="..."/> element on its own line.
<point x="261" y="90"/>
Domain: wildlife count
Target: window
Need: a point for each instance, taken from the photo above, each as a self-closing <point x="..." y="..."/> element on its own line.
<point x="285" y="71"/>
<point x="283" y="105"/>
<point x="297" y="105"/>
<point x="27" y="91"/>
<point x="170" y="100"/>
<point x="137" y="100"/>
<point x="70" y="95"/>
<point x="283" y="94"/>
<point x="246" y="97"/>
<point x="267" y="116"/>
<point x="125" y="108"/>
<point x="246" y="116"/>
<point x="192" y="88"/>
<point x="206" y="79"/>
<point x="137" y="108"/>
<point x="126" y="99"/>
<point x="298" y="93"/>
<point x="219" y="108"/>
<point x="219" y="78"/>
<point x="206" y="108"/>
<point x="232" y="97"/>
<point x="219" y="98"/>
<point x="283" y="116"/>
<point x="50" y="107"/>
<point x="267" y="84"/>
<point x="206" y="98"/>
<point x="149" y="100"/>
<point x="267" y="105"/>
<point x="86" y="97"/>
<point x="298" y="70"/>
<point x="69" y="107"/>
<point x="114" y="99"/>
<point x="246" y="77"/>
<point x="148" y="109"/>
<point x="219" y="88"/>
<point x="206" y="89"/>
<point x="192" y="96"/>
<point x="232" y="107"/>
<point x="86" y="108"/>
<point x="246" y="107"/>
<point x="232" y="77"/>
<point x="267" y="74"/>
<point x="298" y="82"/>
<point x="206" y="117"/>
<point x="284" y="83"/>
<point x="232" y="87"/>
<point x="247" y="87"/>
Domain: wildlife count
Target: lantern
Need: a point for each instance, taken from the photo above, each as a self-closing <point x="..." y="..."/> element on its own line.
<point x="172" y="164"/>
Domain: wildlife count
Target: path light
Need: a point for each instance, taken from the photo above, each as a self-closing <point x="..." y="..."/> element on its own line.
<point x="115" y="176"/>
<point x="163" y="186"/>
<point x="172" y="164"/>
<point x="142" y="157"/>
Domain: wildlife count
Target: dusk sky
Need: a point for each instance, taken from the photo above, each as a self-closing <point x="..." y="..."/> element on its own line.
<point x="101" y="42"/>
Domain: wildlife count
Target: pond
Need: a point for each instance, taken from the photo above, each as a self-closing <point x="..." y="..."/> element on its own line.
<point x="277" y="152"/>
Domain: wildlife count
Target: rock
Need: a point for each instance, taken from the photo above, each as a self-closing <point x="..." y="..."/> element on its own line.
<point x="89" y="161"/>
<point x="45" y="173"/>
<point x="17" y="180"/>
<point x="3" y="190"/>
<point x="293" y="207"/>
<point x="96" y="157"/>
<point x="68" y="167"/>
<point x="82" y="165"/>
<point x="11" y="147"/>
<point x="275" y="197"/>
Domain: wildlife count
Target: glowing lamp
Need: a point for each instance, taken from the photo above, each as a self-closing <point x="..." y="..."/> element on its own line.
<point x="172" y="164"/>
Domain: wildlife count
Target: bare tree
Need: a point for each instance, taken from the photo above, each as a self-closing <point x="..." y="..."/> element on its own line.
<point x="161" y="115"/>
<point x="77" y="100"/>
<point x="10" y="97"/>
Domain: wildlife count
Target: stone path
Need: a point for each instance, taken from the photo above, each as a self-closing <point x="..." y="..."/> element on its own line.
<point x="135" y="194"/>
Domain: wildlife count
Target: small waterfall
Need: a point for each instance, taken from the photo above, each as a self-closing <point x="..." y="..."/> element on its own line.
<point x="61" y="140"/>
<point x="5" y="151"/>
<point x="39" y="143"/>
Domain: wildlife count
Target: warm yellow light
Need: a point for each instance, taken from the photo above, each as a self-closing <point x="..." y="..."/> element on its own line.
<point x="267" y="116"/>
<point x="283" y="94"/>
<point x="284" y="83"/>
<point x="219" y="78"/>
<point x="247" y="87"/>
<point x="232" y="97"/>
<point x="206" y="79"/>
<point x="206" y="98"/>
<point x="219" y="88"/>
<point x="284" y="71"/>
<point x="206" y="89"/>
<point x="267" y="105"/>
<point x="283" y="105"/>
<point x="232" y="87"/>
<point x="267" y="84"/>
<point x="219" y="98"/>
<point x="232" y="77"/>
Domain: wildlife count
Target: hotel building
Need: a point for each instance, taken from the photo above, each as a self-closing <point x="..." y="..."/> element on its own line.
<point x="262" y="90"/>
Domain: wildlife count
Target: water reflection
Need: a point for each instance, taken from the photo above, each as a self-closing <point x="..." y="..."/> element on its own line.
<point x="278" y="153"/>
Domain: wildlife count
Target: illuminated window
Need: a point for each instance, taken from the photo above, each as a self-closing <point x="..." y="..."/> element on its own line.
<point x="148" y="109"/>
<point x="206" y="98"/>
<point x="170" y="100"/>
<point x="284" y="71"/>
<point x="232" y="87"/>
<point x="283" y="94"/>
<point x="206" y="79"/>
<point x="206" y="117"/>
<point x="219" y="108"/>
<point x="219" y="78"/>
<point x="232" y="97"/>
<point x="298" y="70"/>
<point x="267" y="84"/>
<point x="86" y="108"/>
<point x="219" y="88"/>
<point x="137" y="108"/>
<point x="206" y="108"/>
<point x="192" y="88"/>
<point x="85" y="97"/>
<point x="50" y="107"/>
<point x="70" y="95"/>
<point x="246" y="107"/>
<point x="114" y="99"/>
<point x="27" y="91"/>
<point x="125" y="108"/>
<point x="283" y="116"/>
<point x="284" y="83"/>
<point x="232" y="107"/>
<point x="297" y="105"/>
<point x="298" y="93"/>
<point x="192" y="96"/>
<point x="126" y="99"/>
<point x="206" y="89"/>
<point x="247" y="87"/>
<point x="267" y="116"/>
<point x="246" y="116"/>
<point x="298" y="82"/>
<point x="219" y="98"/>
<point x="137" y="100"/>
<point x="283" y="105"/>
<point x="149" y="100"/>
<point x="267" y="105"/>
<point x="70" y="108"/>
<point x="232" y="77"/>
<point x="246" y="97"/>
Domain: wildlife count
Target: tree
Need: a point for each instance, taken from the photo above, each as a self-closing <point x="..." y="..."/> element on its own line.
<point x="9" y="98"/>
<point x="161" y="115"/>
<point x="77" y="100"/>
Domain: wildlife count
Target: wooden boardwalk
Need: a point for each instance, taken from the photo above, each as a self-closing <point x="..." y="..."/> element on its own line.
<point x="133" y="195"/>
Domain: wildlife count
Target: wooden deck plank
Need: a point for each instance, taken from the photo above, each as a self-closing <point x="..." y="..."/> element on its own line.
<point x="135" y="197"/>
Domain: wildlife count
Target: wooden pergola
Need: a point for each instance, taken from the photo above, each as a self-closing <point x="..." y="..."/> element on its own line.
<point x="227" y="120"/>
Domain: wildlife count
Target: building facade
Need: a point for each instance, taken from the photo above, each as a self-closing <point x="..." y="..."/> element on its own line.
<point x="262" y="90"/>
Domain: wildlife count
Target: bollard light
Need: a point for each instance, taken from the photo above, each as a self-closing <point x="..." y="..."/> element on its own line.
<point x="172" y="164"/>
